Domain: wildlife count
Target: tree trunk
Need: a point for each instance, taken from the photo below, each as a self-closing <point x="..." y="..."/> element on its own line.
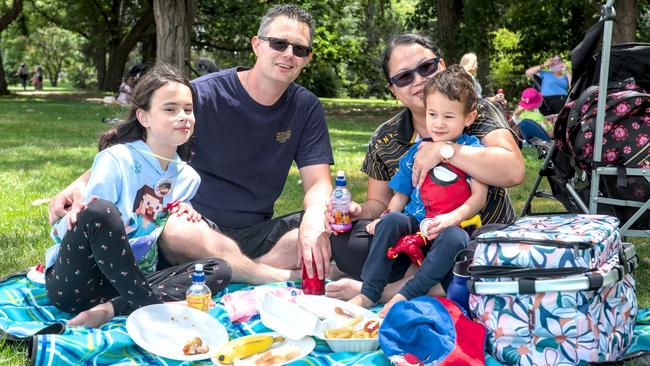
<point x="450" y="14"/>
<point x="5" y="20"/>
<point x="174" y="21"/>
<point x="100" y="65"/>
<point x="115" y="70"/>
<point x="626" y="18"/>
<point x="4" y="88"/>
<point x="149" y="49"/>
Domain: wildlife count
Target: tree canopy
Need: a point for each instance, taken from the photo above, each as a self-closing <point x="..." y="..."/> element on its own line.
<point x="106" y="37"/>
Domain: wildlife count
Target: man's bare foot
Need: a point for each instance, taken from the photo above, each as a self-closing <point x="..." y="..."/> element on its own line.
<point x="361" y="300"/>
<point x="343" y="289"/>
<point x="397" y="298"/>
<point x="94" y="317"/>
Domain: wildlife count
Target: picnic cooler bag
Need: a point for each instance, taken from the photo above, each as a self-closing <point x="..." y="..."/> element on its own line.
<point x="555" y="290"/>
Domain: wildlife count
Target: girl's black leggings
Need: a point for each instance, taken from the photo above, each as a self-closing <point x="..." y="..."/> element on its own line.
<point x="95" y="265"/>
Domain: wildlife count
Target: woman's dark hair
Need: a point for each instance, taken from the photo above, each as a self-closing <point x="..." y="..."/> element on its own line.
<point x="456" y="84"/>
<point x="405" y="40"/>
<point x="131" y="129"/>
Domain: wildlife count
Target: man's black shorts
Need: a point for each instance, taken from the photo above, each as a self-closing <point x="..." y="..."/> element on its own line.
<point x="257" y="240"/>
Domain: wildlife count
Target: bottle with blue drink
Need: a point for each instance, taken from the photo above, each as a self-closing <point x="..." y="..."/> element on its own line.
<point x="457" y="290"/>
<point x="341" y="199"/>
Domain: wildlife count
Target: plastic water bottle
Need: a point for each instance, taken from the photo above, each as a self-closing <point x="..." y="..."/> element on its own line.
<point x="341" y="199"/>
<point x="457" y="290"/>
<point x="198" y="296"/>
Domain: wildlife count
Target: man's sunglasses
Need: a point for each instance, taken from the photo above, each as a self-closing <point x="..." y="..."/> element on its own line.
<point x="281" y="45"/>
<point x="426" y="68"/>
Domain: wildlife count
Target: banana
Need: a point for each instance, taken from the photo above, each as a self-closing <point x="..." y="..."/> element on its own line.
<point x="245" y="347"/>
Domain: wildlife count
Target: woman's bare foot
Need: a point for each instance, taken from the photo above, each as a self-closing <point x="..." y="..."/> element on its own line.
<point x="94" y="317"/>
<point x="343" y="289"/>
<point x="361" y="300"/>
<point x="397" y="298"/>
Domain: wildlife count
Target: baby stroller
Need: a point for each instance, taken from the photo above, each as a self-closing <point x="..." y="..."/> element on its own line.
<point x="598" y="184"/>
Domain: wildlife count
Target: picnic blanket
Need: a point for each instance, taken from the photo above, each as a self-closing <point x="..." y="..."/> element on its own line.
<point x="26" y="313"/>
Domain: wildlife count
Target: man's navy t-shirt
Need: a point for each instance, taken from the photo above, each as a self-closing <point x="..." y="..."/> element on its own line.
<point x="243" y="150"/>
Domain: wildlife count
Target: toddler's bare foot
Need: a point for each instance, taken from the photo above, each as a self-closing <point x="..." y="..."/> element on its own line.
<point x="361" y="300"/>
<point x="397" y="298"/>
<point x="343" y="289"/>
<point x="94" y="317"/>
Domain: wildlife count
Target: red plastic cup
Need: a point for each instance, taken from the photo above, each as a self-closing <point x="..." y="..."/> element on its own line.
<point x="312" y="286"/>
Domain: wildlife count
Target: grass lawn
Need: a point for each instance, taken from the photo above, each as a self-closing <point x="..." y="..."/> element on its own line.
<point x="46" y="142"/>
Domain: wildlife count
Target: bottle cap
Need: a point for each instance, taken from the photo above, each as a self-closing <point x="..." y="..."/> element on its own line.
<point x="198" y="275"/>
<point x="340" y="179"/>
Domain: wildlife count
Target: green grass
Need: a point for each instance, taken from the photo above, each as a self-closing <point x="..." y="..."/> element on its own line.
<point x="46" y="141"/>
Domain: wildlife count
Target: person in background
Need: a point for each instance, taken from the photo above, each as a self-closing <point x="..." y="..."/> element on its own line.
<point x="555" y="81"/>
<point x="124" y="96"/>
<point x="37" y="78"/>
<point x="106" y="248"/>
<point x="528" y="106"/>
<point x="23" y="74"/>
<point x="469" y="62"/>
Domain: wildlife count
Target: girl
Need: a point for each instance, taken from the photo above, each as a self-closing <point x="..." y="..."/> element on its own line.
<point x="106" y="253"/>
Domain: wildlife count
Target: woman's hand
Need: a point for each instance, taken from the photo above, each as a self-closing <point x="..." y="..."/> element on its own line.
<point x="186" y="208"/>
<point x="355" y="212"/>
<point x="370" y="228"/>
<point x="425" y="159"/>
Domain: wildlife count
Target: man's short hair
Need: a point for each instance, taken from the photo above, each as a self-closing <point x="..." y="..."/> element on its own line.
<point x="456" y="84"/>
<point x="290" y="11"/>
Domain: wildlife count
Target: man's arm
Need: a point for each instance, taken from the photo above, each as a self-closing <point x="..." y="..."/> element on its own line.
<point x="313" y="236"/>
<point x="69" y="198"/>
<point x="499" y="164"/>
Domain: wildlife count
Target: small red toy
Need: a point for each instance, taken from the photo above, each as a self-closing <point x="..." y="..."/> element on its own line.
<point x="410" y="245"/>
<point x="40" y="268"/>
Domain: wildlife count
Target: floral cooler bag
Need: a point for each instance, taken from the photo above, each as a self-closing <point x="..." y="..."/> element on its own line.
<point x="555" y="290"/>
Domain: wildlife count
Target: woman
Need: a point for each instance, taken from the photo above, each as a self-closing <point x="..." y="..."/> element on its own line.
<point x="554" y="83"/>
<point x="409" y="61"/>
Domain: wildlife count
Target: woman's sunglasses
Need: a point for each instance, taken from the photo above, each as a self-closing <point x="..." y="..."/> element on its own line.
<point x="426" y="68"/>
<point x="281" y="45"/>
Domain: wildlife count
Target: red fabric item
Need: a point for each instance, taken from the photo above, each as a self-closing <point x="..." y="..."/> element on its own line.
<point x="410" y="245"/>
<point x="440" y="197"/>
<point x="469" y="348"/>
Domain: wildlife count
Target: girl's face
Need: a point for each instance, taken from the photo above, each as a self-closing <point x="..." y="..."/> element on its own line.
<point x="408" y="57"/>
<point x="170" y="118"/>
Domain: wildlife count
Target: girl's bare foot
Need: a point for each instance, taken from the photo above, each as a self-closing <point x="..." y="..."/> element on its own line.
<point x="397" y="298"/>
<point x="361" y="300"/>
<point x="343" y="289"/>
<point x="94" y="317"/>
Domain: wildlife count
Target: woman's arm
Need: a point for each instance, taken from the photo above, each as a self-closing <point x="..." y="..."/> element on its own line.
<point x="499" y="164"/>
<point x="537" y="68"/>
<point x="377" y="199"/>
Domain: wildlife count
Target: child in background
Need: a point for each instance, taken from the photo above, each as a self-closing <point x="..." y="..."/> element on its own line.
<point x="106" y="248"/>
<point x="450" y="102"/>
<point x="528" y="108"/>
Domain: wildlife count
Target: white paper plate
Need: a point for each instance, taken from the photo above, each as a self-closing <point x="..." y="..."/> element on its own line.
<point x="324" y="306"/>
<point x="36" y="276"/>
<point x="305" y="344"/>
<point x="163" y="329"/>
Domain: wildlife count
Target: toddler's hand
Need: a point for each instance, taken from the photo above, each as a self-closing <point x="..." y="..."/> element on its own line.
<point x="370" y="228"/>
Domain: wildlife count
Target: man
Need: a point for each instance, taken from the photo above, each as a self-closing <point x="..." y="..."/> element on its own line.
<point x="251" y="125"/>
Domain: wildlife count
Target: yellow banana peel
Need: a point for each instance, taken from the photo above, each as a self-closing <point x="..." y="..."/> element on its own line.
<point x="245" y="347"/>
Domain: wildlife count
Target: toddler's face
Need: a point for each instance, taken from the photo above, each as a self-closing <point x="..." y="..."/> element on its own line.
<point x="446" y="118"/>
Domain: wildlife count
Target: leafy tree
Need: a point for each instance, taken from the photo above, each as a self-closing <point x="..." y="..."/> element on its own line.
<point x="112" y="29"/>
<point x="53" y="48"/>
<point x="7" y="16"/>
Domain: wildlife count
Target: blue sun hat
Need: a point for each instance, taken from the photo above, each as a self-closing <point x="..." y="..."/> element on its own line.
<point x="434" y="330"/>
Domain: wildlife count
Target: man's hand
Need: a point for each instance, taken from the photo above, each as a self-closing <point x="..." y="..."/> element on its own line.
<point x="355" y="212"/>
<point x="314" y="243"/>
<point x="425" y="159"/>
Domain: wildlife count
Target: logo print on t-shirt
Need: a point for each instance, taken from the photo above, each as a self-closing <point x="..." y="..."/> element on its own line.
<point x="163" y="187"/>
<point x="137" y="167"/>
<point x="283" y="136"/>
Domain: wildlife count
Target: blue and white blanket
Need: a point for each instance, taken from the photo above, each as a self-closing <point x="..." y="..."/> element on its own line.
<point x="25" y="313"/>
